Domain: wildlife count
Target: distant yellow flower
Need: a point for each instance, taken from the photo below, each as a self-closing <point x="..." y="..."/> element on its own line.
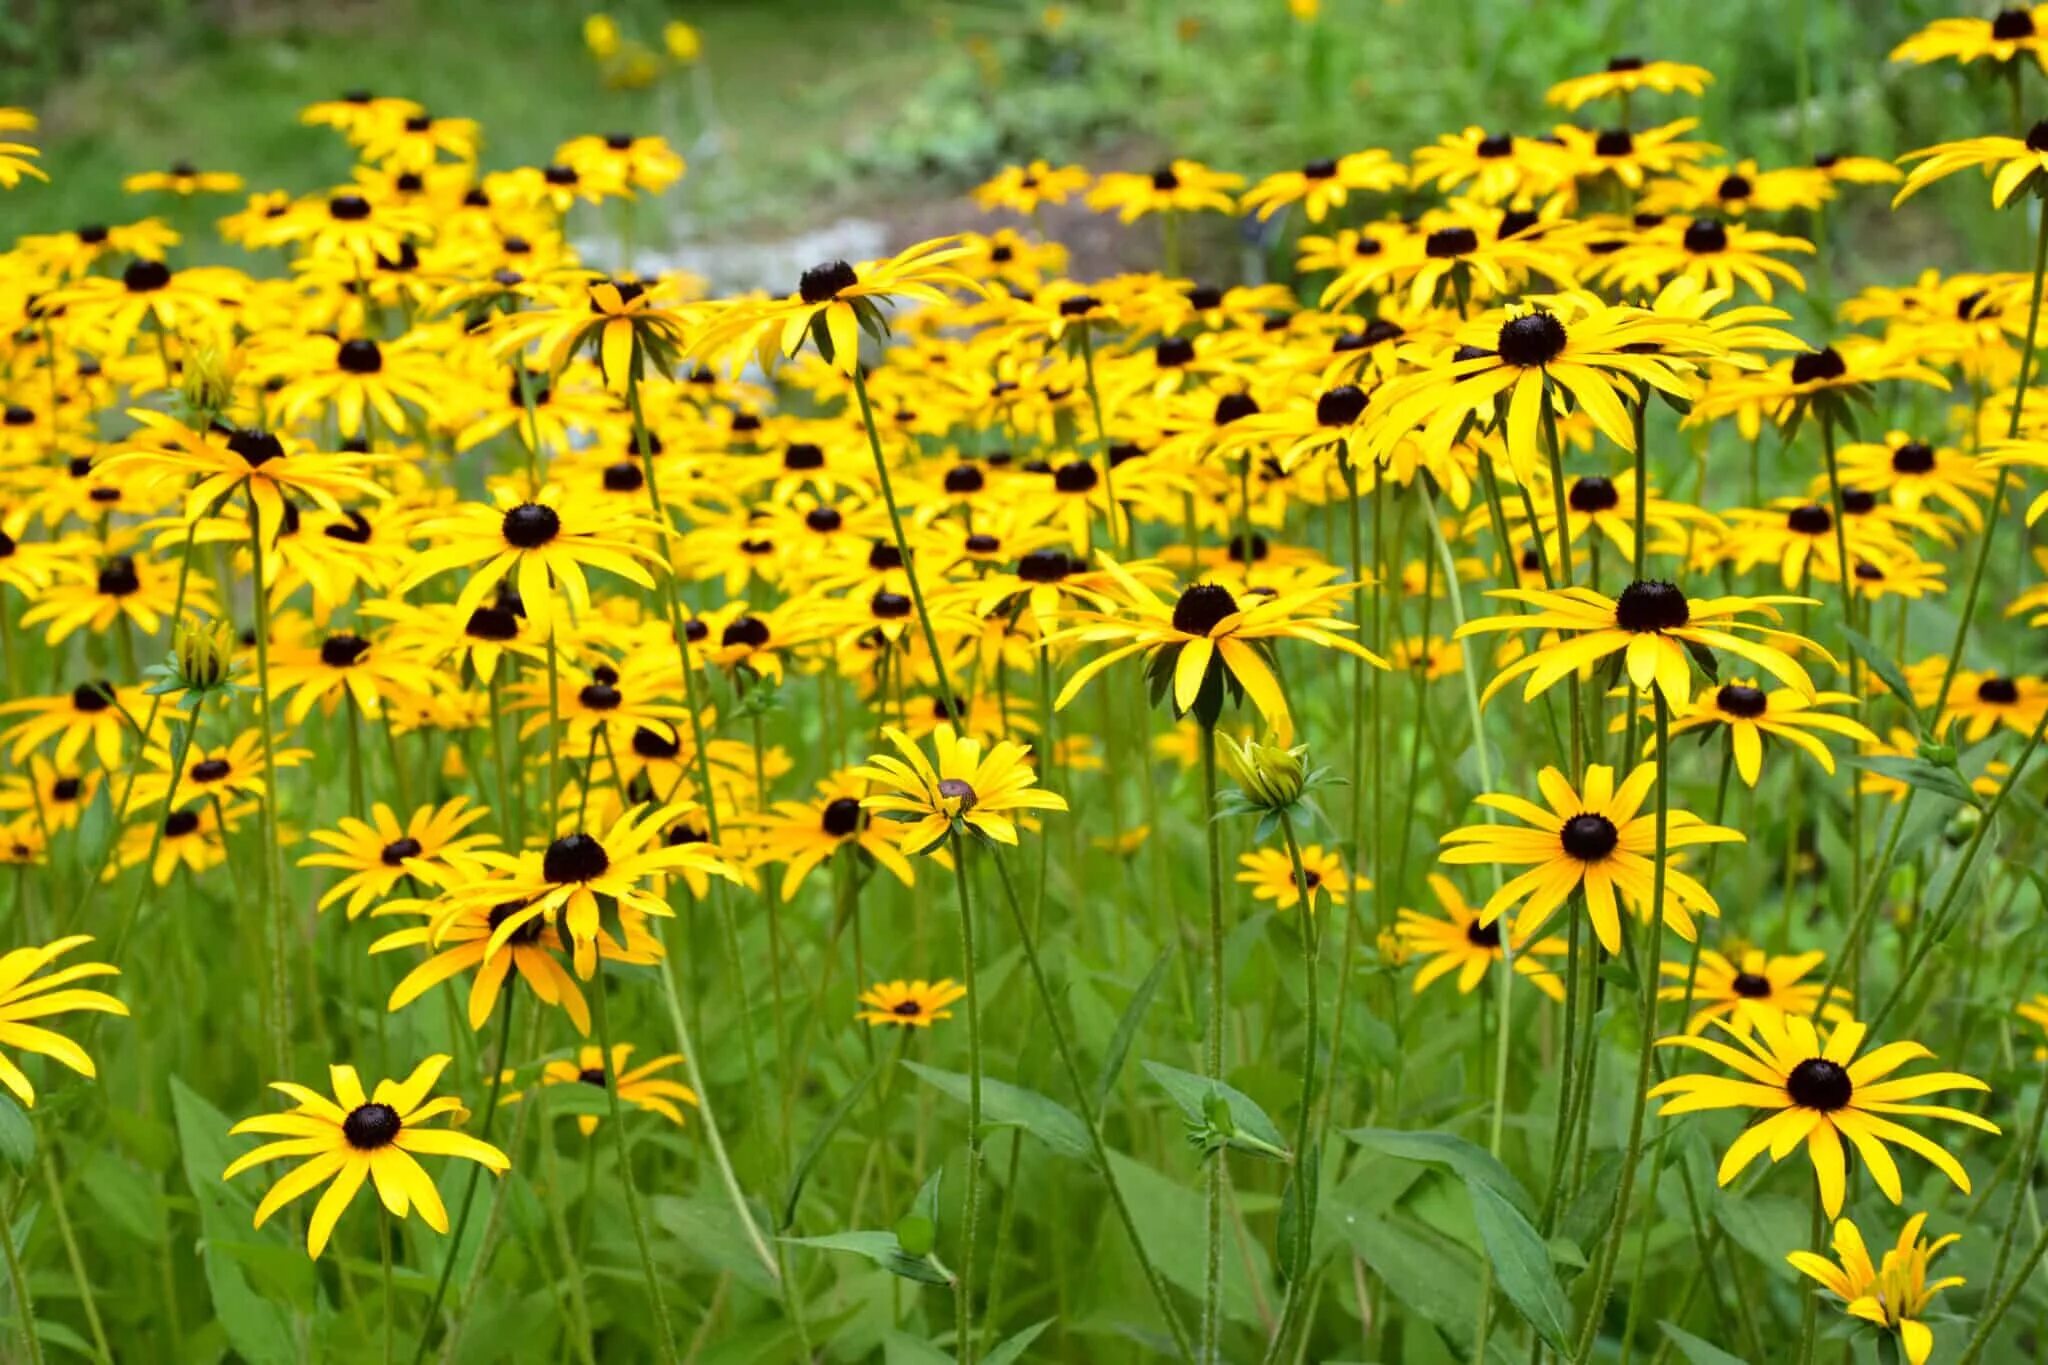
<point x="909" y="1004"/>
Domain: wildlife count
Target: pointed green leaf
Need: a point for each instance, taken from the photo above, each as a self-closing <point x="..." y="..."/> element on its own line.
<point x="1012" y="1106"/>
<point x="1127" y="1028"/>
<point x="1256" y="1133"/>
<point x="1521" y="1265"/>
<point x="1447" y="1151"/>
<point x="880" y="1247"/>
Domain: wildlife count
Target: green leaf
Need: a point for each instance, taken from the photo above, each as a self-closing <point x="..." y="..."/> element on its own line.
<point x="1695" y="1351"/>
<point x="1918" y="772"/>
<point x="815" y="1148"/>
<point x="1012" y="1106"/>
<point x="708" y="1232"/>
<point x="1521" y="1265"/>
<point x="900" y="1348"/>
<point x="880" y="1247"/>
<point x="1423" y="1270"/>
<point x="257" y="1324"/>
<point x="128" y="1197"/>
<point x="1012" y="1350"/>
<point x="918" y="1230"/>
<point x="1591" y="1211"/>
<point x="1127" y="1028"/>
<point x="1447" y="1151"/>
<point x="1173" y="1226"/>
<point x="17" y="1134"/>
<point x="1256" y="1133"/>
<point x="1887" y="672"/>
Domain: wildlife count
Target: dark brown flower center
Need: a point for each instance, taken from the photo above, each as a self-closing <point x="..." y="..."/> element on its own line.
<point x="530" y="525"/>
<point x="1485" y="936"/>
<point x="1706" y="236"/>
<point x="822" y="283"/>
<point x="1914" y="457"/>
<point x="842" y="817"/>
<point x="1589" y="837"/>
<point x="1739" y="699"/>
<point x="117" y="577"/>
<point x="370" y="1126"/>
<point x="749" y="632"/>
<point x="1445" y="243"/>
<point x="1750" y="986"/>
<point x="343" y="651"/>
<point x="1202" y="607"/>
<point x="1078" y="476"/>
<point x="1644" y="607"/>
<point x="209" y="770"/>
<point x="398" y="850"/>
<point x="574" y="858"/>
<point x="2011" y="25"/>
<point x="1341" y="406"/>
<point x="1818" y="1083"/>
<point x="1819" y="366"/>
<point x="359" y="355"/>
<point x="1810" y="520"/>
<point x="1998" y="691"/>
<point x="1594" y="493"/>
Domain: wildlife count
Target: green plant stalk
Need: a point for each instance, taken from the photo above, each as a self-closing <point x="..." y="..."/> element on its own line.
<point x="475" y="1173"/>
<point x="1990" y="537"/>
<point x="384" y="1265"/>
<point x="1646" y="986"/>
<point x="963" y="1286"/>
<point x="1212" y="1057"/>
<point x="71" y="1255"/>
<point x="2029" y="1153"/>
<point x="1987" y="1322"/>
<point x="1936" y="923"/>
<point x="721" y="903"/>
<point x="634" y="1214"/>
<point x="1084" y="1098"/>
<point x="1809" y="1308"/>
<point x="1347" y="954"/>
<point x="269" y="884"/>
<point x="1119" y="527"/>
<point x="1304" y="1229"/>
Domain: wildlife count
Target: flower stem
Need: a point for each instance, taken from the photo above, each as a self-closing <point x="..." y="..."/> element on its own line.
<point x="1085" y="1099"/>
<point x="963" y="1289"/>
<point x="625" y="1151"/>
<point x="1646" y="987"/>
<point x="1212" y="1054"/>
<point x="475" y="1172"/>
<point x="24" y="1305"/>
<point x="1990" y="537"/>
<point x="271" y="876"/>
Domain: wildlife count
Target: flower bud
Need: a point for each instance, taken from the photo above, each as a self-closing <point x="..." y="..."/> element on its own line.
<point x="202" y="654"/>
<point x="682" y="41"/>
<point x="1271" y="777"/>
<point x="207" y="379"/>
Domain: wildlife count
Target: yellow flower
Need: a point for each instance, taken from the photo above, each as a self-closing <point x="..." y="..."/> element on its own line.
<point x="1895" y="1293"/>
<point x="967" y="789"/>
<point x="24" y="996"/>
<point x="909" y="1004"/>
<point x="1820" y="1092"/>
<point x="357" y="1137"/>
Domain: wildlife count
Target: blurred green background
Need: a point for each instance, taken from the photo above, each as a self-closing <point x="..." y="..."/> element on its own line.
<point x="891" y="107"/>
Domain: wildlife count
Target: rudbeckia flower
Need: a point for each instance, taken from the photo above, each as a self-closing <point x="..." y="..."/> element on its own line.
<point x="640" y="1086"/>
<point x="25" y="996"/>
<point x="1321" y="186"/>
<point x="2013" y="32"/>
<point x="909" y="1004"/>
<point x="1596" y="839"/>
<point x="1894" y="1294"/>
<point x="1738" y="990"/>
<point x="1656" y="627"/>
<point x="1819" y="1091"/>
<point x="1625" y="76"/>
<point x="357" y="1137"/>
<point x="1022" y="189"/>
<point x="183" y="179"/>
<point x="1179" y="186"/>
<point x="1269" y="872"/>
<point x="1459" y="941"/>
<point x="1751" y="713"/>
<point x="432" y="848"/>
<point x="970" y="789"/>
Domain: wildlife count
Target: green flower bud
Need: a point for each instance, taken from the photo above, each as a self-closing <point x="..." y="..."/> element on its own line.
<point x="1271" y="777"/>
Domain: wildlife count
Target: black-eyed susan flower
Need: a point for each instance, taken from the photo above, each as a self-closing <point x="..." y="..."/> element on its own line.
<point x="803" y="834"/>
<point x="225" y="770"/>
<point x="194" y="839"/>
<point x="1321" y="186"/>
<point x="625" y="323"/>
<point x="909" y="1004"/>
<point x="125" y="588"/>
<point x="562" y="884"/>
<point x="1818" y="1091"/>
<point x="1912" y="474"/>
<point x="26" y="999"/>
<point x="1751" y="713"/>
<point x="1457" y="941"/>
<point x="642" y="1086"/>
<point x="182" y="178"/>
<point x="1737" y="990"/>
<point x="1893" y="1295"/>
<point x="1653" y="625"/>
<point x="95" y="712"/>
<point x="971" y="788"/>
<point x="1178" y="186"/>
<point x="1023" y="189"/>
<point x="1594" y="838"/>
<point x="541" y="545"/>
<point x="1206" y="640"/>
<point x="360" y="1136"/>
<point x="2010" y="163"/>
<point x="2015" y="31"/>
<point x="1269" y="872"/>
<point x="435" y="847"/>
<point x="1978" y="703"/>
<point x="342" y="665"/>
<point x="1625" y="75"/>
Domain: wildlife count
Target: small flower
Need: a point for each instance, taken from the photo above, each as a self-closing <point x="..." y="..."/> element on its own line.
<point x="909" y="1004"/>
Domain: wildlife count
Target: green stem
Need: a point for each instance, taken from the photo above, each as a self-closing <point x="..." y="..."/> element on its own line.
<point x="1212" y="1056"/>
<point x="625" y="1153"/>
<point x="2029" y="1153"/>
<point x="269" y="883"/>
<point x="24" y="1305"/>
<point x="1084" y="1098"/>
<point x="963" y="1288"/>
<point x="475" y="1173"/>
<point x="1646" y="987"/>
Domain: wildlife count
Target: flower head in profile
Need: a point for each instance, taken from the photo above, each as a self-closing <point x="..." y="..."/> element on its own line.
<point x="1659" y="632"/>
<point x="1737" y="990"/>
<point x="1178" y="186"/>
<point x="1270" y="873"/>
<point x="360" y="1136"/>
<point x="1458" y="941"/>
<point x="909" y="1004"/>
<point x="1751" y="713"/>
<point x="968" y="790"/>
<point x="641" y="1087"/>
<point x="626" y="324"/>
<point x="1895" y="1293"/>
<point x="2014" y="32"/>
<point x="1596" y="839"/>
<point x="1624" y="76"/>
<point x="835" y="303"/>
<point x="1820" y="1092"/>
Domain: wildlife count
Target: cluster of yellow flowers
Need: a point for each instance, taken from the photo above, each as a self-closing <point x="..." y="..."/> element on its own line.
<point x="484" y="575"/>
